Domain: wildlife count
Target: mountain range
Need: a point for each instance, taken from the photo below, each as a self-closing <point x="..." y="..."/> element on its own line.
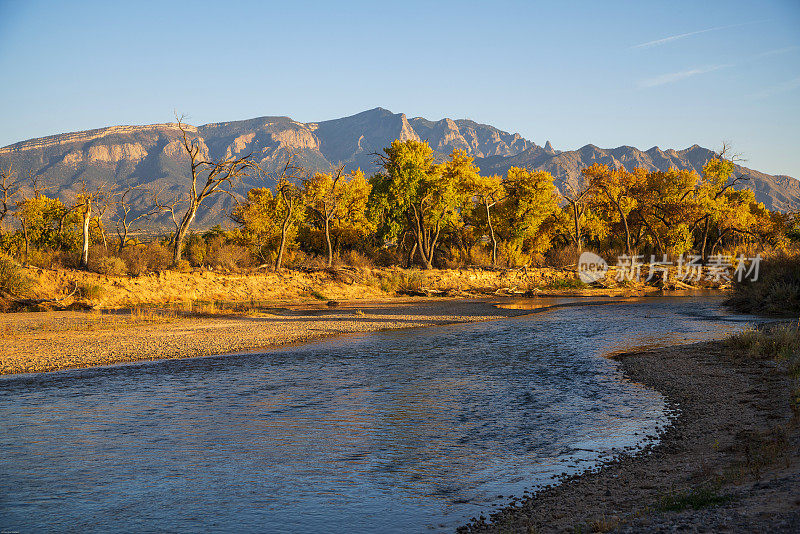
<point x="152" y="156"/>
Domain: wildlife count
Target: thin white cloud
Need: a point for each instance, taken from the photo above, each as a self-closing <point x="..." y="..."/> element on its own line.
<point x="671" y="38"/>
<point x="775" y="52"/>
<point x="673" y="77"/>
<point x="784" y="87"/>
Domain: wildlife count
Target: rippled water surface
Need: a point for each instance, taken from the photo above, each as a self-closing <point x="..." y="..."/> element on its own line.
<point x="406" y="431"/>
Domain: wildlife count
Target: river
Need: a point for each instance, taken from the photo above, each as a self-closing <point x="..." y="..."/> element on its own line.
<point x="403" y="431"/>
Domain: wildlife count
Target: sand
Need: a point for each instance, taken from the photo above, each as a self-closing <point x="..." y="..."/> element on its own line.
<point x="49" y="341"/>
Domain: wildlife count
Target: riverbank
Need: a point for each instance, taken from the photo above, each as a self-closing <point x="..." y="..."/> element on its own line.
<point x="49" y="341"/>
<point x="730" y="462"/>
<point x="64" y="289"/>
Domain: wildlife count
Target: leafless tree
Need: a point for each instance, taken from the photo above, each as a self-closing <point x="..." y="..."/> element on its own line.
<point x="286" y="181"/>
<point x="88" y="199"/>
<point x="125" y="216"/>
<point x="9" y="188"/>
<point x="208" y="178"/>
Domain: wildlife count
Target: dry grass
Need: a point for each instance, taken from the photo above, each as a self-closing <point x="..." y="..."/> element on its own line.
<point x="14" y="281"/>
<point x="604" y="523"/>
<point x="7" y="331"/>
<point x="775" y="293"/>
<point x="776" y="342"/>
<point x="98" y="321"/>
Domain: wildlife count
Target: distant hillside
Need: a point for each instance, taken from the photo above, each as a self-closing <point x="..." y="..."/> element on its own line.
<point x="151" y="156"/>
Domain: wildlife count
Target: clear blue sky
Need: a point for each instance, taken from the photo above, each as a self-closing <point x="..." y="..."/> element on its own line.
<point x="610" y="73"/>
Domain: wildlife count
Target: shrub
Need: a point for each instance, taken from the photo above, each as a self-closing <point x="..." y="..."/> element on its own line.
<point x="51" y="259"/>
<point x="776" y="342"/>
<point x="183" y="266"/>
<point x="140" y="259"/>
<point x="776" y="292"/>
<point x="566" y="283"/>
<point x="196" y="250"/>
<point x="229" y="256"/>
<point x="111" y="266"/>
<point x="356" y="259"/>
<point x="563" y="257"/>
<point x="695" y="498"/>
<point x="14" y="282"/>
<point x="91" y="291"/>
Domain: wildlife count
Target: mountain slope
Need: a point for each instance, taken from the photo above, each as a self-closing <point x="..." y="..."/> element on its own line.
<point x="152" y="156"/>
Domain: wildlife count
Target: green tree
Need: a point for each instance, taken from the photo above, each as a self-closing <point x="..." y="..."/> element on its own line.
<point x="46" y="223"/>
<point x="530" y="198"/>
<point x="414" y="194"/>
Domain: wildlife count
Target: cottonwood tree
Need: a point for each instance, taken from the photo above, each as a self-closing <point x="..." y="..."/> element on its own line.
<point x="413" y="194"/>
<point x="336" y="199"/>
<point x="207" y="177"/>
<point x="322" y="195"/>
<point x="259" y="222"/>
<point x="290" y="199"/>
<point x="530" y="199"/>
<point x="717" y="191"/>
<point x="617" y="189"/>
<point x="578" y="197"/>
<point x="87" y="200"/>
<point x="36" y="212"/>
<point x="488" y="191"/>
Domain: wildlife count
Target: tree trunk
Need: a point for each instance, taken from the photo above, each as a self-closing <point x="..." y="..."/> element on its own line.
<point x="411" y="256"/>
<point x="427" y="262"/>
<point x="25" y="234"/>
<point x="123" y="239"/>
<point x="491" y="233"/>
<point x="627" y="231"/>
<point x="659" y="248"/>
<point x="576" y="216"/>
<point x="183" y="229"/>
<point x="705" y="242"/>
<point x="328" y="241"/>
<point x="284" y="228"/>
<point x="87" y="215"/>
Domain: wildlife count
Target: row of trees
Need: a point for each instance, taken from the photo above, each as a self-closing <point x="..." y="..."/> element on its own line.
<point x="415" y="210"/>
<point x="422" y="209"/>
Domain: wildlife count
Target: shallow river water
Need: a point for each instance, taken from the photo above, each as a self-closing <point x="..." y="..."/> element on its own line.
<point x="405" y="431"/>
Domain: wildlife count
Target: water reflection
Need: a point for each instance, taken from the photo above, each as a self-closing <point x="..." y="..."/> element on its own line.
<point x="399" y="431"/>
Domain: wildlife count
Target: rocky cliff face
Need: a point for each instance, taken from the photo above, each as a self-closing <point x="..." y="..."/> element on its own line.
<point x="152" y="156"/>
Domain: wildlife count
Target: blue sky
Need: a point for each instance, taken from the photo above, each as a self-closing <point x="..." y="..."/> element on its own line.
<point x="610" y="73"/>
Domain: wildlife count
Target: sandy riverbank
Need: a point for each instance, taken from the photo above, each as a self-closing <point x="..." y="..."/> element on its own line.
<point x="734" y="452"/>
<point x="48" y="341"/>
